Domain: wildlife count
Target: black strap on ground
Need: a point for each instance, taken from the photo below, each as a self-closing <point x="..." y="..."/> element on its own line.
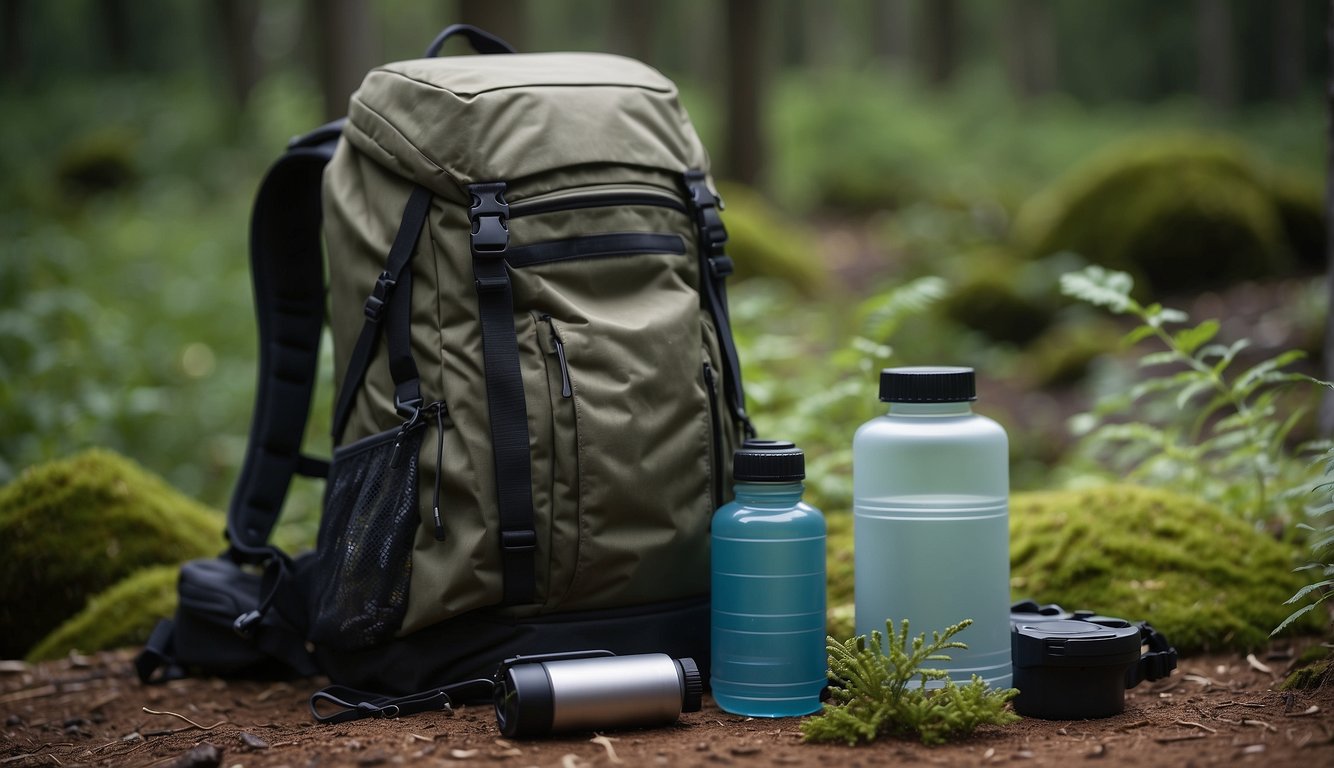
<point x="504" y="391"/>
<point x="714" y="267"/>
<point x="351" y="704"/>
<point x="395" y="279"/>
<point x="287" y="268"/>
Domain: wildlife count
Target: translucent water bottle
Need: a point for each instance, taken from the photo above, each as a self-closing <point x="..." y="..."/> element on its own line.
<point x="768" y="566"/>
<point x="930" y="486"/>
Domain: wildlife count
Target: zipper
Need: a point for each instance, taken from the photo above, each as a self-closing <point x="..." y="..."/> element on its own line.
<point x="594" y="247"/>
<point x="714" y="424"/>
<point x="566" y="391"/>
<point x="595" y="197"/>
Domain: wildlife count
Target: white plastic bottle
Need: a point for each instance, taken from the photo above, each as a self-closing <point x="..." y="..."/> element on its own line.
<point x="930" y="485"/>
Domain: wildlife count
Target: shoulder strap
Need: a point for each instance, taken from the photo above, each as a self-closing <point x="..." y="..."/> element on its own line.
<point x="287" y="269"/>
<point x="714" y="267"/>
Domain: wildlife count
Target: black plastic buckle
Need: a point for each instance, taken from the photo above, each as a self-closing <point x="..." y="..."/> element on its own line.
<point x="245" y="623"/>
<point x="706" y="205"/>
<point x="518" y="541"/>
<point x="721" y="266"/>
<point x="384" y="285"/>
<point x="489" y="215"/>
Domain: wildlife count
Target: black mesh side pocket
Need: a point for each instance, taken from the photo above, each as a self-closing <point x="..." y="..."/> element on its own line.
<point x="364" y="552"/>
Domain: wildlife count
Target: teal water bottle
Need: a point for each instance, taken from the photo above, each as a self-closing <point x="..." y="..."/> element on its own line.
<point x="930" y="495"/>
<point x="768" y="566"/>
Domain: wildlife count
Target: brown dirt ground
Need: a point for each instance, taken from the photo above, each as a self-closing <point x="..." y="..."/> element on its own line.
<point x="1215" y="710"/>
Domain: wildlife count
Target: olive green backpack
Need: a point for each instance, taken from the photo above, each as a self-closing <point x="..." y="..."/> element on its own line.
<point x="537" y="388"/>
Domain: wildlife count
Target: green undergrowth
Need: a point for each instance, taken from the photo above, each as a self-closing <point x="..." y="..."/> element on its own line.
<point x="123" y="615"/>
<point x="874" y="693"/>
<point x="763" y="242"/>
<point x="70" y="529"/>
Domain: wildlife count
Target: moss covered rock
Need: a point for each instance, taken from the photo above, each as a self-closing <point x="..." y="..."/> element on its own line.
<point x="990" y="298"/>
<point x="1301" y="210"/>
<point x="123" y="615"/>
<point x="1177" y="214"/>
<point x="70" y="529"/>
<point x="1207" y="580"/>
<point x="764" y="243"/>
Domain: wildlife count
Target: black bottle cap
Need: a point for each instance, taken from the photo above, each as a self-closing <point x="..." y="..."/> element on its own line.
<point x="692" y="696"/>
<point x="768" y="461"/>
<point x="927" y="384"/>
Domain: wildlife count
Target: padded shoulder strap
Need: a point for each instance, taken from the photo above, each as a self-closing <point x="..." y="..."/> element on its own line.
<point x="287" y="268"/>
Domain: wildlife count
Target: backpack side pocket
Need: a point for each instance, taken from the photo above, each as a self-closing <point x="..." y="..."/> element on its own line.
<point x="365" y="541"/>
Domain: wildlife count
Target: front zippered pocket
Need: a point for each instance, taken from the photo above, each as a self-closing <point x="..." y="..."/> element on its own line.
<point x="595" y="247"/>
<point x="558" y="346"/>
<point x="597" y="197"/>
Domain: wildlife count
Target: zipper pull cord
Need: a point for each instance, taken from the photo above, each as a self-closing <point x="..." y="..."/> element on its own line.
<point x="566" y="389"/>
<point x="439" y="469"/>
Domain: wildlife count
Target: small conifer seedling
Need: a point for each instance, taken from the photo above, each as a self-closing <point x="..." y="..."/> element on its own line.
<point x="873" y="693"/>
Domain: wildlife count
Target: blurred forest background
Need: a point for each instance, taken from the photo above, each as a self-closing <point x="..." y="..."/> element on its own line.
<point x="906" y="181"/>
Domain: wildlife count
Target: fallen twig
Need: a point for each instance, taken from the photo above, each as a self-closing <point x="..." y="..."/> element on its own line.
<point x="1183" y="737"/>
<point x="1260" y="724"/>
<point x="1257" y="665"/>
<point x="186" y="719"/>
<point x="1311" y="710"/>
<point x="1134" y="725"/>
<point x="606" y="744"/>
<point x="1201" y="726"/>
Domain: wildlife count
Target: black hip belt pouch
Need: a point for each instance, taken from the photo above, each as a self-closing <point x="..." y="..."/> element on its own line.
<point x="1078" y="665"/>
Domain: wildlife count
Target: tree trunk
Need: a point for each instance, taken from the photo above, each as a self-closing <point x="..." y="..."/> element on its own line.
<point x="744" y="144"/>
<point x="504" y="18"/>
<point x="1289" y="52"/>
<point x="346" y="47"/>
<point x="1327" y="406"/>
<point x="632" y="26"/>
<point x="13" y="44"/>
<point x="1217" y="78"/>
<point x="115" y="24"/>
<point x="889" y="30"/>
<point x="939" y="22"/>
<point x="236" y="33"/>
<point x="1030" y="47"/>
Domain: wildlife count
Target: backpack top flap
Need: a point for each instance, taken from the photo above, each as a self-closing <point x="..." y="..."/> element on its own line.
<point x="448" y="122"/>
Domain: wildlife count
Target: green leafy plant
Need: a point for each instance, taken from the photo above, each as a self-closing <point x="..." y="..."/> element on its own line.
<point x="874" y="694"/>
<point x="1202" y="427"/>
<point x="1322" y="549"/>
<point x="806" y="384"/>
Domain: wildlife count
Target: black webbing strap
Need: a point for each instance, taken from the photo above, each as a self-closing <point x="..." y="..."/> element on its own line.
<point x="352" y="704"/>
<point x="396" y="279"/>
<point x="714" y="266"/>
<point x="287" y="269"/>
<point x="504" y="391"/>
<point x="1156" y="662"/>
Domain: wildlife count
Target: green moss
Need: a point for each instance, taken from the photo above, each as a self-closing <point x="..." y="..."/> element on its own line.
<point x="70" y="529"/>
<point x="764" y="243"/>
<point x="1207" y="580"/>
<point x="123" y="615"/>
<point x="99" y="162"/>
<point x="989" y="299"/>
<point x="1309" y="677"/>
<point x="1061" y="356"/>
<point x="1301" y="210"/>
<point x="1176" y="214"/>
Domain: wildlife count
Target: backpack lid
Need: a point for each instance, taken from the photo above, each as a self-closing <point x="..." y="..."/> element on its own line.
<point x="448" y="122"/>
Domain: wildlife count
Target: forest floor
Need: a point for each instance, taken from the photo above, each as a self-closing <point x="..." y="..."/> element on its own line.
<point x="1218" y="709"/>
